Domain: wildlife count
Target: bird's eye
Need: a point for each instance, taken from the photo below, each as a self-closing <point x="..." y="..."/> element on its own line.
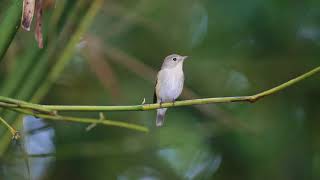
<point x="174" y="59"/>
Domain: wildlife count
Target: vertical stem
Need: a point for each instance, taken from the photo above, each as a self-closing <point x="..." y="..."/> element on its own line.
<point x="9" y="26"/>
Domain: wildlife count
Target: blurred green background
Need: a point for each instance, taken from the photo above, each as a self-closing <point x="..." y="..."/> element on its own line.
<point x="109" y="55"/>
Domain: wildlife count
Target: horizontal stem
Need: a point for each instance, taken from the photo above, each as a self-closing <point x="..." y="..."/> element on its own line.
<point x="50" y="111"/>
<point x="146" y="107"/>
<point x="84" y="120"/>
<point x="9" y="102"/>
<point x="95" y="121"/>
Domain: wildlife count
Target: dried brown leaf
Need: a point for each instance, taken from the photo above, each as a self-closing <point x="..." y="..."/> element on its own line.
<point x="38" y="29"/>
<point x="27" y="14"/>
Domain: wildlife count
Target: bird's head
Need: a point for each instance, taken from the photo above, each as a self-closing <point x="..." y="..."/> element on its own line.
<point x="172" y="61"/>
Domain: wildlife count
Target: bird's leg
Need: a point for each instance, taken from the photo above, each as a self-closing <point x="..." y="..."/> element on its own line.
<point x="160" y="103"/>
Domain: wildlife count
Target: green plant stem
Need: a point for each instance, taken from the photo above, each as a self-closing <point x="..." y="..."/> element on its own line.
<point x="84" y="120"/>
<point x="69" y="50"/>
<point x="35" y="78"/>
<point x="143" y="107"/>
<point x="14" y="79"/>
<point x="9" y="26"/>
<point x="10" y="102"/>
<point x="14" y="133"/>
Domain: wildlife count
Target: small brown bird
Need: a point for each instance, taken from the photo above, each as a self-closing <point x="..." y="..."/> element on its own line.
<point x="169" y="83"/>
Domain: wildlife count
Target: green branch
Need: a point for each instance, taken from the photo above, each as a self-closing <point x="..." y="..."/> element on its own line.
<point x="9" y="25"/>
<point x="144" y="107"/>
<point x="51" y="111"/>
<point x="84" y="120"/>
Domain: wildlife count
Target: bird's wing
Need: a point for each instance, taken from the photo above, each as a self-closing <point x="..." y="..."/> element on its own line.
<point x="154" y="94"/>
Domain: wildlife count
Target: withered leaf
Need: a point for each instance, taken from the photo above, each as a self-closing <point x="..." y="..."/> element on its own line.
<point x="38" y="29"/>
<point x="27" y="14"/>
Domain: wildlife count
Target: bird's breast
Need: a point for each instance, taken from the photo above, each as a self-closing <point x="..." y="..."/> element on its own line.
<point x="170" y="84"/>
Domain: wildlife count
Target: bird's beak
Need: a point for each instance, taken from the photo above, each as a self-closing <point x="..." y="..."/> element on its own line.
<point x="185" y="57"/>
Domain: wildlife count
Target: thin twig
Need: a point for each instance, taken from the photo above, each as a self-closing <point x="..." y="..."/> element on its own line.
<point x="84" y="120"/>
<point x="15" y="133"/>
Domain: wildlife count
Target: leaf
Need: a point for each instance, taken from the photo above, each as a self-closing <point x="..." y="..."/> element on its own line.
<point x="27" y="14"/>
<point x="38" y="30"/>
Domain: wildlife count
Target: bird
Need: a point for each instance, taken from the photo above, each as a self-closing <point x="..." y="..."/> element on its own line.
<point x="169" y="83"/>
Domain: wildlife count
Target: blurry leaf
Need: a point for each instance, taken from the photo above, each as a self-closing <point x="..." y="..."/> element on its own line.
<point x="198" y="24"/>
<point x="187" y="153"/>
<point x="102" y="68"/>
<point x="140" y="172"/>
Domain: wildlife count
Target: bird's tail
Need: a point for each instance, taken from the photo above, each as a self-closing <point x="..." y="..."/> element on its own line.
<point x="160" y="116"/>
